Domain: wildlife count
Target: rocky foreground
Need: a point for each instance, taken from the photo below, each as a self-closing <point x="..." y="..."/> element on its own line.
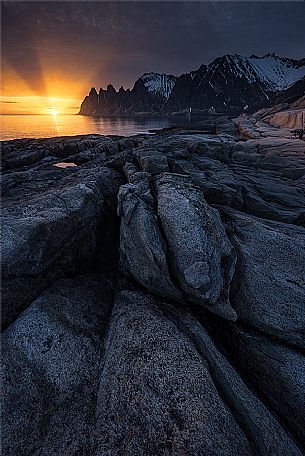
<point x="153" y="293"/>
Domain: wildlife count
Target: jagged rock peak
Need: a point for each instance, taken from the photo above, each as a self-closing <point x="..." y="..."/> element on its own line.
<point x="93" y="92"/>
<point x="111" y="89"/>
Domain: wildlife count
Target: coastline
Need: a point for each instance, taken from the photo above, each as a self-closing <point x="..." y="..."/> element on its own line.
<point x="154" y="256"/>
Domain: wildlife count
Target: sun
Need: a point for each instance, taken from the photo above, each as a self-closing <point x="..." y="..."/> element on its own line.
<point x="52" y="109"/>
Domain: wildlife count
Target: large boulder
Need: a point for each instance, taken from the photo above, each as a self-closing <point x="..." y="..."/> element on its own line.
<point x="143" y="251"/>
<point x="268" y="289"/>
<point x="201" y="256"/>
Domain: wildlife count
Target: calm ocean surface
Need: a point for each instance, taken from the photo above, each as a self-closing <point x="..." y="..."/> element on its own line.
<point x="45" y="126"/>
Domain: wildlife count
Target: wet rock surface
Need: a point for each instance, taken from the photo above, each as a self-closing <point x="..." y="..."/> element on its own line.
<point x="153" y="293"/>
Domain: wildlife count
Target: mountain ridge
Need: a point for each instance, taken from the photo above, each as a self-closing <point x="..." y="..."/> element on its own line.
<point x="230" y="83"/>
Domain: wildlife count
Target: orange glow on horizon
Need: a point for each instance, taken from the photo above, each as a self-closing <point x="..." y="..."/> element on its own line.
<point x="54" y="93"/>
<point x="39" y="105"/>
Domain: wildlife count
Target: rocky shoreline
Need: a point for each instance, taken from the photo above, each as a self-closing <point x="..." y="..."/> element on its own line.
<point x="153" y="293"/>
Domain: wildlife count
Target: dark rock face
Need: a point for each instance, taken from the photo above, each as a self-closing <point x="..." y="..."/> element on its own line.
<point x="109" y="101"/>
<point x="276" y="371"/>
<point x="152" y="393"/>
<point x="142" y="248"/>
<point x="56" y="222"/>
<point x="162" y="389"/>
<point x="154" y="293"/>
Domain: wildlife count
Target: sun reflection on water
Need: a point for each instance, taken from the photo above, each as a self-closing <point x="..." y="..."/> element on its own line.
<point x="61" y="124"/>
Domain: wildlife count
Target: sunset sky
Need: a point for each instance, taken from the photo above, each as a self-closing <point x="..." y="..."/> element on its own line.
<point x="53" y="52"/>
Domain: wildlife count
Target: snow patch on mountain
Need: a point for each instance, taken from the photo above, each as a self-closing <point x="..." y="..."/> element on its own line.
<point x="275" y="72"/>
<point x="157" y="83"/>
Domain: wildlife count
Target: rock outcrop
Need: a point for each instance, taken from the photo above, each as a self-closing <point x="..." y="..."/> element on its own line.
<point x="149" y="94"/>
<point x="275" y="371"/>
<point x="289" y="113"/>
<point x="143" y="251"/>
<point x="153" y="293"/>
<point x="268" y="287"/>
<point x="53" y="233"/>
<point x="166" y="388"/>
<point x="288" y="119"/>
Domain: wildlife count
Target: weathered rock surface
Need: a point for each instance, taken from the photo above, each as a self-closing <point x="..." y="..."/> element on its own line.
<point x="143" y="251"/>
<point x="290" y="113"/>
<point x="166" y="389"/>
<point x="276" y="371"/>
<point x="148" y="359"/>
<point x="51" y="357"/>
<point x="287" y="119"/>
<point x="201" y="256"/>
<point x="54" y="232"/>
<point x="264" y="177"/>
<point x="268" y="289"/>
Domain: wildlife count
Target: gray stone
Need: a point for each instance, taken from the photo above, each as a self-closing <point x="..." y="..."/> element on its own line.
<point x="51" y="357"/>
<point x="166" y="389"/>
<point x="151" y="161"/>
<point x="143" y="252"/>
<point x="155" y="383"/>
<point x="268" y="289"/>
<point x="49" y="233"/>
<point x="201" y="256"/>
<point x="275" y="371"/>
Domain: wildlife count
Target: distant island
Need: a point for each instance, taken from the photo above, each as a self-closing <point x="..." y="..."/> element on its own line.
<point x="230" y="84"/>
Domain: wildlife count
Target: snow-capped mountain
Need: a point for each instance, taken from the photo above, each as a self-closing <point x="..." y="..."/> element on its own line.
<point x="234" y="83"/>
<point x="229" y="84"/>
<point x="157" y="83"/>
<point x="277" y="73"/>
